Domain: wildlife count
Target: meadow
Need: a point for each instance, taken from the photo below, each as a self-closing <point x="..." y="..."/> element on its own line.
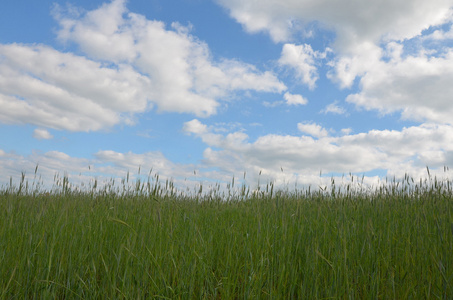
<point x="152" y="242"/>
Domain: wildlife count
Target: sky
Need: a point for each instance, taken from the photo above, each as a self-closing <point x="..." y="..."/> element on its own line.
<point x="203" y="91"/>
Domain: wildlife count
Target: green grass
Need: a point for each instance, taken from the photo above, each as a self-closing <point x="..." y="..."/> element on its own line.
<point x="395" y="242"/>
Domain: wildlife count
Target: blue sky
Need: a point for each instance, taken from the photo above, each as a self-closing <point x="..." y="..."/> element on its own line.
<point x="95" y="89"/>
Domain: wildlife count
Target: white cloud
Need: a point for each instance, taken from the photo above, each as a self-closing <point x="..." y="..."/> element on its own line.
<point x="52" y="166"/>
<point x="346" y="67"/>
<point x="440" y="35"/>
<point x="109" y="161"/>
<point x="370" y="40"/>
<point x="333" y="108"/>
<point x="418" y="86"/>
<point x="301" y="58"/>
<point x="294" y="99"/>
<point x="105" y="166"/>
<point x="273" y="104"/>
<point x="109" y="169"/>
<point x="130" y="65"/>
<point x="352" y="20"/>
<point x="195" y="126"/>
<point x="42" y="134"/>
<point x="409" y="150"/>
<point x="214" y="139"/>
<point x="360" y="27"/>
<point x="42" y="86"/>
<point x="200" y="129"/>
<point x="183" y="76"/>
<point x="302" y="158"/>
<point x="104" y="33"/>
<point x="346" y="131"/>
<point x="312" y="129"/>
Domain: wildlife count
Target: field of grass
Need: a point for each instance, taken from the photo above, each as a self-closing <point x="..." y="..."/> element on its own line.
<point x="395" y="242"/>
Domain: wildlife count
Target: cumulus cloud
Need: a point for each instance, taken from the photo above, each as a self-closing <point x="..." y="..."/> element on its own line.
<point x="294" y="99"/>
<point x="226" y="155"/>
<point x="352" y="20"/>
<point x="104" y="166"/>
<point x="440" y="35"/>
<point x="370" y="45"/>
<point x="301" y="58"/>
<point x="195" y="126"/>
<point x="346" y="130"/>
<point x="409" y="150"/>
<point x="107" y="168"/>
<point x="334" y="108"/>
<point x="42" y="134"/>
<point x="312" y="129"/>
<point x="112" y="162"/>
<point x="418" y="86"/>
<point x="209" y="137"/>
<point x="360" y="28"/>
<point x="129" y="65"/>
<point x="289" y="99"/>
<point x="183" y="76"/>
<point x="51" y="167"/>
<point x="42" y="86"/>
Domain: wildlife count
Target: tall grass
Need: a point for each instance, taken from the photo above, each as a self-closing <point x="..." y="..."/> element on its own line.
<point x="152" y="241"/>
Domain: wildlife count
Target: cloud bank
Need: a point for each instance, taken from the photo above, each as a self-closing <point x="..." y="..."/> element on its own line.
<point x="282" y="159"/>
<point x="370" y="44"/>
<point x="127" y="65"/>
<point x="398" y="152"/>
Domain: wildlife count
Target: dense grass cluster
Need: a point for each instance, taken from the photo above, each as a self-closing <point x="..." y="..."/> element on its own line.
<point x="395" y="242"/>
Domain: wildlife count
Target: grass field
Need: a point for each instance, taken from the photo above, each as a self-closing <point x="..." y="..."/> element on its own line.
<point x="395" y="242"/>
